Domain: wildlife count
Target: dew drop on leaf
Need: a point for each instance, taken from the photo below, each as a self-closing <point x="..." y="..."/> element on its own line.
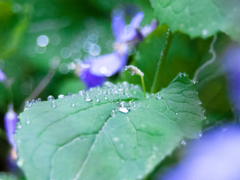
<point x="183" y="143"/>
<point x="50" y="98"/>
<point x="39" y="100"/>
<point x="123" y="107"/>
<point x="61" y="96"/>
<point x="54" y="104"/>
<point x="88" y="99"/>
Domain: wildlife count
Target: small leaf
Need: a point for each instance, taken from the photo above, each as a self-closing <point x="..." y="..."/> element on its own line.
<point x="200" y="18"/>
<point x="122" y="136"/>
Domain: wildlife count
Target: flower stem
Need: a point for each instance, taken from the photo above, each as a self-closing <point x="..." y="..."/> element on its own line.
<point x="211" y="50"/>
<point x="161" y="63"/>
<point x="143" y="85"/>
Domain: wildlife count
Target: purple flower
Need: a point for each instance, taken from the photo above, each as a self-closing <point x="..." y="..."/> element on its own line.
<point x="231" y="66"/>
<point x="214" y="157"/>
<point x="2" y="76"/>
<point x="126" y="37"/>
<point x="88" y="78"/>
<point x="10" y="121"/>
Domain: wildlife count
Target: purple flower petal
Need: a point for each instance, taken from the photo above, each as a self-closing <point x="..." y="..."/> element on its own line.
<point x="2" y="76"/>
<point x="136" y="20"/>
<point x="88" y="78"/>
<point x="10" y="121"/>
<point x="131" y="33"/>
<point x="149" y="28"/>
<point x="214" y="157"/>
<point x="118" y="25"/>
<point x="109" y="64"/>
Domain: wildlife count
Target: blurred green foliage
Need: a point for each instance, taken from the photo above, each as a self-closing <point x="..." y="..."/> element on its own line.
<point x="67" y="25"/>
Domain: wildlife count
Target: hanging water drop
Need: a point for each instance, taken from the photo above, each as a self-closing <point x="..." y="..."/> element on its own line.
<point x="54" y="104"/>
<point x="50" y="98"/>
<point x="113" y="113"/>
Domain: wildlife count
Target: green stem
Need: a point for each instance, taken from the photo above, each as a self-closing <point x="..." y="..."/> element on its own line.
<point x="8" y="85"/>
<point x="143" y="85"/>
<point x="161" y="63"/>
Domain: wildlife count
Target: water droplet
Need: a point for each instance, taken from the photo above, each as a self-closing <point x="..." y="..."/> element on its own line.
<point x="30" y="105"/>
<point x="183" y="143"/>
<point x="147" y="95"/>
<point x="28" y="121"/>
<point x="176" y="113"/>
<point x="108" y="84"/>
<point x="204" y="32"/>
<point x="26" y="105"/>
<point x="50" y="98"/>
<point x="88" y="98"/>
<point x="42" y="41"/>
<point x="200" y="134"/>
<point x="54" y="104"/>
<point x="113" y="113"/>
<point x="20" y="162"/>
<point x="105" y="98"/>
<point x="61" y="96"/>
<point x="73" y="105"/>
<point x="19" y="126"/>
<point x="39" y="100"/>
<point x="123" y="107"/>
<point x="19" y="141"/>
<point x="158" y="96"/>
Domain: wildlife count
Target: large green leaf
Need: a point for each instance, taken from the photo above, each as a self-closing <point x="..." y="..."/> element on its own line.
<point x="200" y="18"/>
<point x="81" y="138"/>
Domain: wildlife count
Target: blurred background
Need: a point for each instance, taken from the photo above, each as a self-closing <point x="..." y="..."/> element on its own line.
<point x="41" y="43"/>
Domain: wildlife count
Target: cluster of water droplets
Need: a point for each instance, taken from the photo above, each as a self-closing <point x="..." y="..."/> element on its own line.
<point x="109" y="92"/>
<point x="29" y="104"/>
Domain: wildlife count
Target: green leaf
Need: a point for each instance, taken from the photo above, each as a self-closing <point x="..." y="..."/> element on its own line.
<point x="7" y="176"/>
<point x="200" y="18"/>
<point x="89" y="141"/>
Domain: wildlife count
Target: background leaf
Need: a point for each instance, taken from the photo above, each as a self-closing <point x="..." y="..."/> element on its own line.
<point x="200" y="18"/>
<point x="66" y="142"/>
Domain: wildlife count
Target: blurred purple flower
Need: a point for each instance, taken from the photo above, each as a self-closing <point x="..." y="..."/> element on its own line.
<point x="2" y="76"/>
<point x="126" y="37"/>
<point x="10" y="121"/>
<point x="231" y="66"/>
<point x="214" y="157"/>
<point x="88" y="78"/>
